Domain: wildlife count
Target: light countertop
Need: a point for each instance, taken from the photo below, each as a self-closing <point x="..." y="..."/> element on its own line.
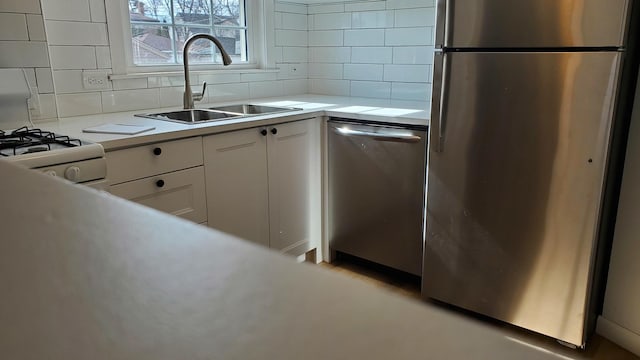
<point x="375" y="110"/>
<point x="85" y="275"/>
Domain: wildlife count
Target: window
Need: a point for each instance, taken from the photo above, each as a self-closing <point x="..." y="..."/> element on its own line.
<point x="159" y="28"/>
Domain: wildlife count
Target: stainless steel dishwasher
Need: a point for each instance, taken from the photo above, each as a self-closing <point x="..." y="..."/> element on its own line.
<point x="376" y="192"/>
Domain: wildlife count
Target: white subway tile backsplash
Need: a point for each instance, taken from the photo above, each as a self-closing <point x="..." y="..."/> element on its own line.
<point x="75" y="10"/>
<point x="287" y="7"/>
<point x="76" y="33"/>
<point x="291" y="38"/>
<point x="229" y="92"/>
<point x="13" y="27"/>
<point x="371" y="89"/>
<point x="31" y="77"/>
<point x="73" y="57"/>
<point x="371" y="55"/>
<point x="293" y="71"/>
<point x="21" y="6"/>
<point x="294" y="21"/>
<point x="162" y="81"/>
<point x="372" y="19"/>
<point x="219" y="78"/>
<point x="44" y="79"/>
<point x="329" y="87"/>
<point x="251" y="77"/>
<point x="363" y="72"/>
<point x="35" y="25"/>
<point x="326" y="38"/>
<point x="409" y="36"/>
<point x="23" y="54"/>
<point x="48" y="110"/>
<point x="411" y="91"/>
<point x="295" y="54"/>
<point x="172" y="96"/>
<point x="295" y="87"/>
<point x="129" y="84"/>
<point x="331" y="21"/>
<point x="323" y="9"/>
<point x="409" y="4"/>
<point x="103" y="57"/>
<point x="68" y="81"/>
<point x="79" y="104"/>
<point x="407" y="73"/>
<point x="325" y="71"/>
<point x="97" y="10"/>
<point x="415" y="17"/>
<point x="114" y="101"/>
<point x="329" y="54"/>
<point x="266" y="89"/>
<point x="374" y="37"/>
<point x="413" y="55"/>
<point x="365" y="6"/>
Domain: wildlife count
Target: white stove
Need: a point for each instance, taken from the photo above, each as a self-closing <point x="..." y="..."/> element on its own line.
<point x="57" y="155"/>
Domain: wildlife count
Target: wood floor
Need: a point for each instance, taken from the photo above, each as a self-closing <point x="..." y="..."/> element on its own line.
<point x="598" y="348"/>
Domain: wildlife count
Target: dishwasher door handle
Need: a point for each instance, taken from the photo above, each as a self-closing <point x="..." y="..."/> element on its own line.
<point x="382" y="136"/>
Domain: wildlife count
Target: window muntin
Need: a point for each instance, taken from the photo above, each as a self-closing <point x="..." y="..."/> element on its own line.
<point x="159" y="29"/>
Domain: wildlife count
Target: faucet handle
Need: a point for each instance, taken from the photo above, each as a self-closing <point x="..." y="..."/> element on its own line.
<point x="199" y="96"/>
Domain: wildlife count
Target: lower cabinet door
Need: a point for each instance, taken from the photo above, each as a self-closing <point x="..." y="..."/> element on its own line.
<point x="180" y="193"/>
<point x="291" y="178"/>
<point x="237" y="191"/>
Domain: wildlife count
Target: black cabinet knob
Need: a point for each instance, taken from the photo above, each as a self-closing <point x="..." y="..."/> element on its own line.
<point x="263" y="132"/>
<point x="160" y="183"/>
<point x="274" y="131"/>
<point x="157" y="151"/>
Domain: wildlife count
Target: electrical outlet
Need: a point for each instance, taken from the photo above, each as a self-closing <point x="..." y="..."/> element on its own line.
<point x="95" y="80"/>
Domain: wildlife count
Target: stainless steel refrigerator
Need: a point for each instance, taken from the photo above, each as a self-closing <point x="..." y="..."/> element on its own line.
<point x="522" y="111"/>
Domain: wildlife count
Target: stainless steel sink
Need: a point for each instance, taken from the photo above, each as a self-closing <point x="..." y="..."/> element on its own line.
<point x="192" y="116"/>
<point x="248" y="109"/>
<point x="195" y="116"/>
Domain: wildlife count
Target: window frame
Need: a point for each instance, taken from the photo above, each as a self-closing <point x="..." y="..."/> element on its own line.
<point x="258" y="35"/>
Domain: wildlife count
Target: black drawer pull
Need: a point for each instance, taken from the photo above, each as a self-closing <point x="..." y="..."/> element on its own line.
<point x="263" y="132"/>
<point x="160" y="183"/>
<point x="157" y="151"/>
<point x="274" y="131"/>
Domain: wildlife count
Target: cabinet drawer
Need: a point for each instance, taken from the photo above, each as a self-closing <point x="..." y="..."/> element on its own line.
<point x="148" y="160"/>
<point x="179" y="193"/>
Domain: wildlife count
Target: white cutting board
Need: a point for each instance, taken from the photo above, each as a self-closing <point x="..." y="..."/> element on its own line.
<point x="123" y="129"/>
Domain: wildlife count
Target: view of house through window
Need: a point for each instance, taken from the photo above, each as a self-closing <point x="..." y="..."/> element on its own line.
<point x="159" y="29"/>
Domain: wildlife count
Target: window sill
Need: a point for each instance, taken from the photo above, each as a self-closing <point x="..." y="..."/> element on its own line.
<point x="194" y="72"/>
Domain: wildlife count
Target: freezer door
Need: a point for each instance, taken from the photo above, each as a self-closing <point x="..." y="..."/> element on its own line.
<point x="532" y="23"/>
<point x="514" y="191"/>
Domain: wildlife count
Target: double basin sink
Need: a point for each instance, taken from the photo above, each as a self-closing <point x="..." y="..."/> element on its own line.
<point x="195" y="116"/>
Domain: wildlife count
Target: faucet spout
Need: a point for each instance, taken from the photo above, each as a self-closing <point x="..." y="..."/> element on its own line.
<point x="226" y="60"/>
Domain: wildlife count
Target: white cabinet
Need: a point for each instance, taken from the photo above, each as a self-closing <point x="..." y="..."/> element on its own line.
<point x="263" y="184"/>
<point x="166" y="176"/>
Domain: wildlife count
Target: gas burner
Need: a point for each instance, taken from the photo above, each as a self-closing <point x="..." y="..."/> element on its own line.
<point x="27" y="141"/>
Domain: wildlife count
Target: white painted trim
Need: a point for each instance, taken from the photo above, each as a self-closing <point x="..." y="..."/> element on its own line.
<point x="619" y="335"/>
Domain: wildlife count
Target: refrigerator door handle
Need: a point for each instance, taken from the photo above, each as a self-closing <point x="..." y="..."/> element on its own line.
<point x="401" y="136"/>
<point x="440" y="96"/>
<point x="441" y="23"/>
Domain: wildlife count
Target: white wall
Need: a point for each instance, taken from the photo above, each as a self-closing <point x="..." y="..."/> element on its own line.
<point x="378" y="49"/>
<point x="23" y="44"/>
<point x="620" y="320"/>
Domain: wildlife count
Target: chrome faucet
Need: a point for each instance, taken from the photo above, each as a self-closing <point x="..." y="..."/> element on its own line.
<point x="190" y="97"/>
